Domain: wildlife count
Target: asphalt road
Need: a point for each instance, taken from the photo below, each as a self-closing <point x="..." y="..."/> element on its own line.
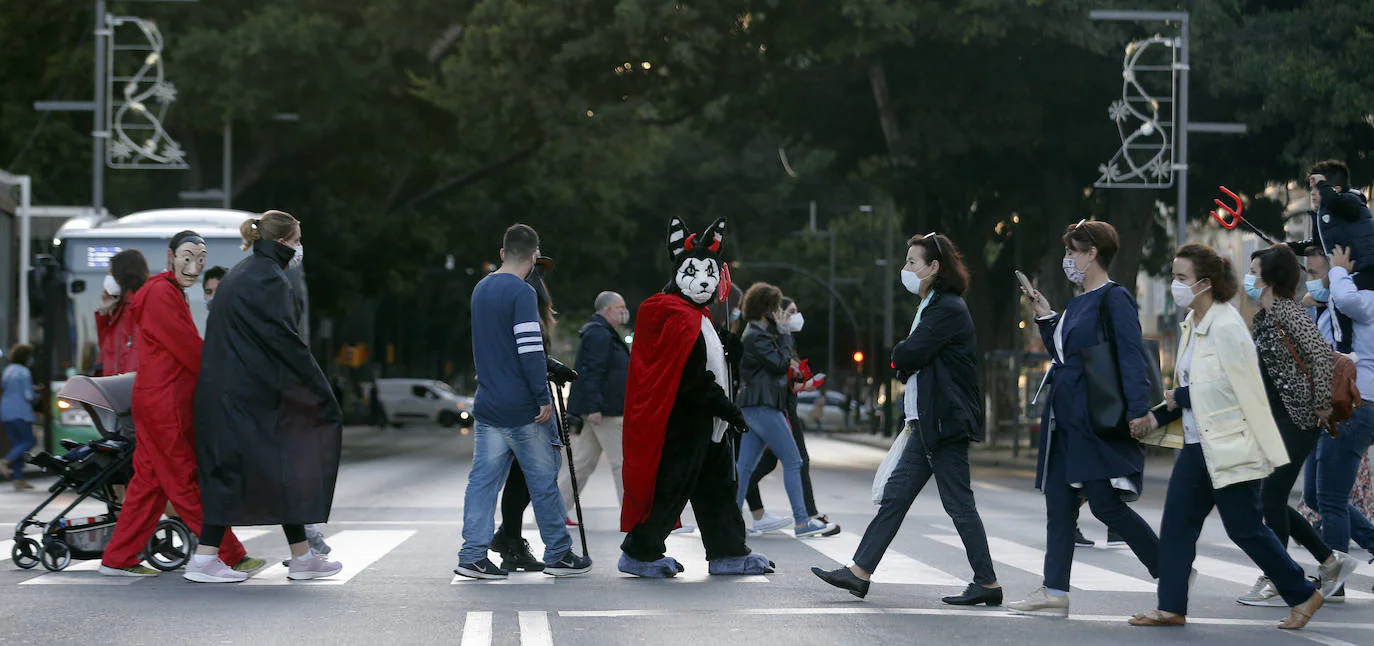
<point x="396" y="523"/>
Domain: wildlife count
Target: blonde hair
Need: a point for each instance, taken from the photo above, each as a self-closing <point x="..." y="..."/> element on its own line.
<point x="273" y="225"/>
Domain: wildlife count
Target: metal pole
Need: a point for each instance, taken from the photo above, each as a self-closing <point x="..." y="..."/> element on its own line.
<point x="99" y="133"/>
<point x="228" y="171"/>
<point x="1181" y="134"/>
<point x="830" y="341"/>
<point x="25" y="253"/>
<point x="888" y="313"/>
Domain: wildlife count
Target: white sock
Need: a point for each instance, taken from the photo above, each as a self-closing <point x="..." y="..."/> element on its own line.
<point x="306" y="555"/>
<point x="1056" y="593"/>
<point x="202" y="559"/>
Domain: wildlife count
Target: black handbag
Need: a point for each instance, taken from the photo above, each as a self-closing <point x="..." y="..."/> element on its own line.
<point x="1102" y="377"/>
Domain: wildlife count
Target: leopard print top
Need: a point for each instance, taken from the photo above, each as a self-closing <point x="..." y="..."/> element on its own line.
<point x="1295" y="387"/>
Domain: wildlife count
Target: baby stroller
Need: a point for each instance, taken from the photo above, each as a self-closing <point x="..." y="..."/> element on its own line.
<point x="92" y="470"/>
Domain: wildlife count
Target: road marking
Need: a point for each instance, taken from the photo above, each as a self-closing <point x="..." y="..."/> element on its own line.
<point x="477" y="629"/>
<point x="355" y="548"/>
<point x="896" y="568"/>
<point x="1320" y="638"/>
<point x="1085" y="577"/>
<point x="534" y="629"/>
<point x="942" y="612"/>
<point x="87" y="572"/>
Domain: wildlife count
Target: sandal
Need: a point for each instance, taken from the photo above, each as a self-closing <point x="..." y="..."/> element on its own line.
<point x="1299" y="615"/>
<point x="1157" y="618"/>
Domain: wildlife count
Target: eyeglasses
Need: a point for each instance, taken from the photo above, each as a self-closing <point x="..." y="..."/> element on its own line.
<point x="1086" y="230"/>
<point x="934" y="236"/>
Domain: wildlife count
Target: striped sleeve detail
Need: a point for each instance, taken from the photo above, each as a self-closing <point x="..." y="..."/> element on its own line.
<point x="526" y="349"/>
<point x="526" y="328"/>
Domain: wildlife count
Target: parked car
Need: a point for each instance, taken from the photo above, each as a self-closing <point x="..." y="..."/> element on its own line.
<point x="837" y="414"/>
<point x="424" y="401"/>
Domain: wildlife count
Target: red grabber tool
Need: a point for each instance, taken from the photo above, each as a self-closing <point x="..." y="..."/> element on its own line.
<point x="1235" y="215"/>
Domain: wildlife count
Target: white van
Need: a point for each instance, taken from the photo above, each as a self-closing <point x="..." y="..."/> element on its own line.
<point x="424" y="401"/>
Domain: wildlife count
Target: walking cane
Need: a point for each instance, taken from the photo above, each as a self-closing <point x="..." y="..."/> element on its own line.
<point x="566" y="439"/>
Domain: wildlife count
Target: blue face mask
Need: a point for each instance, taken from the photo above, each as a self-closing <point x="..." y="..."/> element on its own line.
<point x="1319" y="292"/>
<point x="1250" y="289"/>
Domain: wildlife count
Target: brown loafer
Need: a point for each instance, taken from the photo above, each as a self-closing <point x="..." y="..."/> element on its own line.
<point x="1299" y="615"/>
<point x="1157" y="618"/>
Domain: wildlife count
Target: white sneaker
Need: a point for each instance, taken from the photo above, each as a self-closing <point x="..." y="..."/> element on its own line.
<point x="212" y="571"/>
<point x="1041" y="604"/>
<point x="313" y="566"/>
<point x="1263" y="594"/>
<point x="1333" y="575"/>
<point x="770" y="523"/>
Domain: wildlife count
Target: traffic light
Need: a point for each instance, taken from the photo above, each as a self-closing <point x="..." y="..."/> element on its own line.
<point x="858" y="357"/>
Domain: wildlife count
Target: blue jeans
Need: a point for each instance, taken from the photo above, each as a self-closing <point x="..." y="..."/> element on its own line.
<point x="21" y="440"/>
<point x="1186" y="506"/>
<point x="535" y="446"/>
<point x="1338" y="461"/>
<point x="768" y="428"/>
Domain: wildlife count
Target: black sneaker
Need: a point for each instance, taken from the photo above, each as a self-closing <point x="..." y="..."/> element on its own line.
<point x="570" y="564"/>
<point x="483" y="569"/>
<point x="516" y="555"/>
<point x="1080" y="540"/>
<point x="1114" y="539"/>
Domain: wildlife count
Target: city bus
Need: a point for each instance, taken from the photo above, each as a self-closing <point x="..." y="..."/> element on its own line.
<point x="84" y="246"/>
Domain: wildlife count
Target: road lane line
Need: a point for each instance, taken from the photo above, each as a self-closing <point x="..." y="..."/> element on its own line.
<point x="896" y="568"/>
<point x="87" y="572"/>
<point x="534" y="629"/>
<point x="355" y="548"/>
<point x="1320" y="638"/>
<point x="1085" y="577"/>
<point x="477" y="629"/>
<point x="948" y="612"/>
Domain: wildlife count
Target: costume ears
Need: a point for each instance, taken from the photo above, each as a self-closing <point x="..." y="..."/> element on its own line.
<point x="682" y="240"/>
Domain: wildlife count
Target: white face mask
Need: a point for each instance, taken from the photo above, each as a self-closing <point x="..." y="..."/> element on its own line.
<point x="298" y="258"/>
<point x="1183" y="294"/>
<point x="912" y="281"/>
<point x="796" y="322"/>
<point x="111" y="287"/>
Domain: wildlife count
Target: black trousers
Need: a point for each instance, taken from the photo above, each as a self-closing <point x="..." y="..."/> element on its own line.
<point x="948" y="463"/>
<point x="695" y="469"/>
<point x="769" y="462"/>
<point x="1061" y="517"/>
<point x="515" y="498"/>
<point x="213" y="535"/>
<point x="1274" y="490"/>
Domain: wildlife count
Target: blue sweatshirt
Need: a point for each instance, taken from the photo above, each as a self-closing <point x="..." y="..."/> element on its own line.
<point x="508" y="352"/>
<point x="17" y="404"/>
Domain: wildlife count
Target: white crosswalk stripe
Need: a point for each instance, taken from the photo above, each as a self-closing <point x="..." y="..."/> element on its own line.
<point x="1029" y="559"/>
<point x="896" y="567"/>
<point x="477" y="629"/>
<point x="88" y="572"/>
<point x="356" y="549"/>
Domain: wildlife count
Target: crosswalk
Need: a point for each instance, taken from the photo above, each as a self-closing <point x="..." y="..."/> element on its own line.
<point x="924" y="558"/>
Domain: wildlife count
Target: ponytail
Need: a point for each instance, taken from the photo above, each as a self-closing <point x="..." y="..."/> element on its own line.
<point x="273" y="225"/>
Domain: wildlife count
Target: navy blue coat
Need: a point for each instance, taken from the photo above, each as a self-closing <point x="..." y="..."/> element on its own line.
<point x="1089" y="456"/>
<point x="603" y="365"/>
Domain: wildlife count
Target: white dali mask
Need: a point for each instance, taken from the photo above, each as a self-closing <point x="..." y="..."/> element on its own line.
<point x="697" y="279"/>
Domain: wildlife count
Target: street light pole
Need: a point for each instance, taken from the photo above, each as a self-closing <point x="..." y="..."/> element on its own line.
<point x="98" y="133"/>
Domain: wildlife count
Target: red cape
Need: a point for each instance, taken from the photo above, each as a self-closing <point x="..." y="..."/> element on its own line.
<point x="666" y="328"/>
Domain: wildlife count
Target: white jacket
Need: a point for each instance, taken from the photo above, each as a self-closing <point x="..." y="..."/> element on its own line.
<point x="1240" y="440"/>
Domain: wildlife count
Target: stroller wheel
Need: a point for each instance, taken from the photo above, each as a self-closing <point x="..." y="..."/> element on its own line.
<point x="56" y="556"/>
<point x="25" y="553"/>
<point x="171" y="545"/>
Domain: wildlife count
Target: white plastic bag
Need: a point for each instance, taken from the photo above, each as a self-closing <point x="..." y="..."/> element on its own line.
<point x="889" y="465"/>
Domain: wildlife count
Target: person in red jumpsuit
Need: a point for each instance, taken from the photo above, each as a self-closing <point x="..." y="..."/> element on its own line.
<point x="164" y="390"/>
<point x="114" y="323"/>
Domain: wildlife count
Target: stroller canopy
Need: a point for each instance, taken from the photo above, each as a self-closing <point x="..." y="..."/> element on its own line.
<point x="107" y="399"/>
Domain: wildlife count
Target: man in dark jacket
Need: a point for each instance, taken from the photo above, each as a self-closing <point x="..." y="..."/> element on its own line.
<point x="598" y="396"/>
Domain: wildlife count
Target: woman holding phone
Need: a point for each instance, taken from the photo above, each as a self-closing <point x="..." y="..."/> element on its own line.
<point x="1075" y="461"/>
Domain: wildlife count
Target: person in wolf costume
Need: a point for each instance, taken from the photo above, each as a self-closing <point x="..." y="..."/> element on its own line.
<point x="677" y="414"/>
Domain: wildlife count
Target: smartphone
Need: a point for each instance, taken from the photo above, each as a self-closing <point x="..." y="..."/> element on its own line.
<point x="1025" y="282"/>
